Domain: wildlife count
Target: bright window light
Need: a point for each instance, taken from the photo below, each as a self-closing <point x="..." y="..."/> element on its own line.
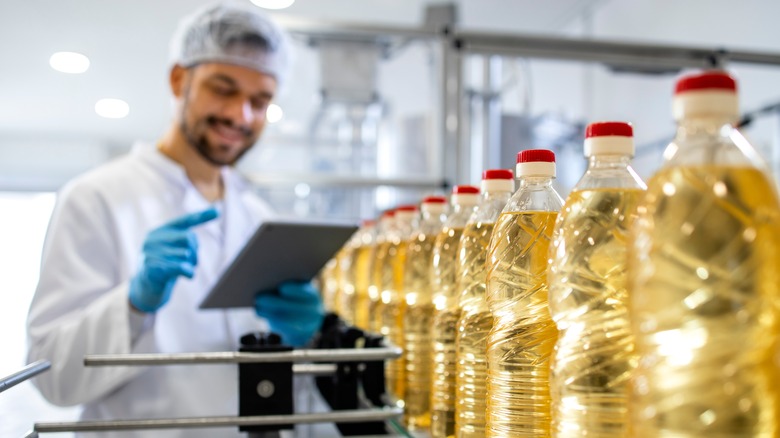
<point x="112" y="108"/>
<point x="274" y="113"/>
<point x="273" y="4"/>
<point x="69" y="62"/>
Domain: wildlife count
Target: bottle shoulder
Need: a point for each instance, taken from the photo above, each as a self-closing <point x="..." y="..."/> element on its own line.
<point x="534" y="199"/>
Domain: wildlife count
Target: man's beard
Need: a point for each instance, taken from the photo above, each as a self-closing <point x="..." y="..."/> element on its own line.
<point x="196" y="134"/>
<point x="196" y="137"/>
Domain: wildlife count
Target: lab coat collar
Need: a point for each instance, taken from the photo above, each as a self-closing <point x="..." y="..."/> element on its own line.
<point x="237" y="218"/>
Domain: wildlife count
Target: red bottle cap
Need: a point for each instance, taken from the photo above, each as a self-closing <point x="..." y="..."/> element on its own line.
<point x="435" y="200"/>
<point x="465" y="190"/>
<point x="718" y="80"/>
<point x="536" y="155"/>
<point x="605" y="129"/>
<point x="497" y="174"/>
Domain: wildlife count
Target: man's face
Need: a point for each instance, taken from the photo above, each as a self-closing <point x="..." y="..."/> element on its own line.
<point x="223" y="109"/>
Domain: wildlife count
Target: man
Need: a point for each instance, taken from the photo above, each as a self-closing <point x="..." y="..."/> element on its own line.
<point x="135" y="245"/>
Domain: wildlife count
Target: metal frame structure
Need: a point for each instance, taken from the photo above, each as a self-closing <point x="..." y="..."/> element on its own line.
<point x="455" y="44"/>
<point x="333" y="356"/>
<point x="25" y="373"/>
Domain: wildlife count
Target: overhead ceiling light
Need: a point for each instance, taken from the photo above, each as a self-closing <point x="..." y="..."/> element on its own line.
<point x="112" y="108"/>
<point x="273" y="4"/>
<point x="274" y="113"/>
<point x="69" y="62"/>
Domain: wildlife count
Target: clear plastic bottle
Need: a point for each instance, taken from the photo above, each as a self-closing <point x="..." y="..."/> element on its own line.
<point x="594" y="355"/>
<point x="444" y="283"/>
<point x="393" y="301"/>
<point x="419" y="313"/>
<point x="329" y="283"/>
<point x="353" y="263"/>
<point x="519" y="347"/>
<point x="705" y="278"/>
<point x="385" y="230"/>
<point x="475" y="319"/>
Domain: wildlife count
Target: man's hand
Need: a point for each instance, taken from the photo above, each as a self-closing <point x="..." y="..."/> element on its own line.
<point x="294" y="311"/>
<point x="168" y="252"/>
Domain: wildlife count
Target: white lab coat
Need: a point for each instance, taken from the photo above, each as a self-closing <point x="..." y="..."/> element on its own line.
<point x="92" y="250"/>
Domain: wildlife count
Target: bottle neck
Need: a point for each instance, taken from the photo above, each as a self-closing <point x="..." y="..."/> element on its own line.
<point x="493" y="194"/>
<point x="711" y="126"/>
<point x="608" y="162"/>
<point x="535" y="182"/>
<point x="431" y="215"/>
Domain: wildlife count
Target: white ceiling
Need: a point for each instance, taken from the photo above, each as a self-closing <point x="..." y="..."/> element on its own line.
<point x="127" y="42"/>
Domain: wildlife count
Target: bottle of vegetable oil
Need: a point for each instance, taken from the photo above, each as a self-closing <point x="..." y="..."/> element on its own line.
<point x="464" y="200"/>
<point x="594" y="355"/>
<point x="329" y="277"/>
<point x="475" y="318"/>
<point x="419" y="313"/>
<point x="393" y="301"/>
<point x="386" y="232"/>
<point x="705" y="278"/>
<point x="520" y="344"/>
<point x="354" y="274"/>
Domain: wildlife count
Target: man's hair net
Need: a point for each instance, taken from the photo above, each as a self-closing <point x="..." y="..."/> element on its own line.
<point x="232" y="33"/>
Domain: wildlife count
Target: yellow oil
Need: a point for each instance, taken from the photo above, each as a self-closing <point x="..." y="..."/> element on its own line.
<point x="360" y="276"/>
<point x="594" y="355"/>
<point x="444" y="331"/>
<point x="704" y="295"/>
<point x="346" y="284"/>
<point x="329" y="280"/>
<point x="417" y="331"/>
<point x="393" y="307"/>
<point x="473" y="326"/>
<point x="382" y="275"/>
<point x="519" y="346"/>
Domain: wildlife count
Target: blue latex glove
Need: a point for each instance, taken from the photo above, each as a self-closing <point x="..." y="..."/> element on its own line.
<point x="168" y="252"/>
<point x="294" y="311"/>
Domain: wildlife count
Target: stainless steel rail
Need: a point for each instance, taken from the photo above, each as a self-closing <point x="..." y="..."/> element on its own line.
<point x="25" y="373"/>
<point x="325" y="355"/>
<point x="616" y="54"/>
<point x="205" y="422"/>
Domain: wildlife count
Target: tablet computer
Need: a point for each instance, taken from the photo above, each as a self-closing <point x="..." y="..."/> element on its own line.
<point x="278" y="251"/>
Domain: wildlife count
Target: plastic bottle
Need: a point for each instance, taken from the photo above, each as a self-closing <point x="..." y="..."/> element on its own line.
<point x="520" y="345"/>
<point x="329" y="278"/>
<point x="393" y="301"/>
<point x="419" y="313"/>
<point x="354" y="274"/>
<point x="385" y="230"/>
<point x="594" y="355"/>
<point x="475" y="319"/>
<point x="705" y="278"/>
<point x="464" y="201"/>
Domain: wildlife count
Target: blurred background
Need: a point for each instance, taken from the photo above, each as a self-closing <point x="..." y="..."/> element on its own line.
<point x="389" y="100"/>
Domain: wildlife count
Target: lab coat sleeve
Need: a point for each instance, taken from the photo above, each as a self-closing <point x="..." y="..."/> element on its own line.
<point x="80" y="306"/>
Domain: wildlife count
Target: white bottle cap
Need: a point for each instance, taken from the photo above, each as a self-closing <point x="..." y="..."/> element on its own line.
<point x="535" y="162"/>
<point x="497" y="180"/>
<point x="406" y="212"/>
<point x="609" y="138"/>
<point x="465" y="195"/>
<point x="433" y="205"/>
<point x="711" y="93"/>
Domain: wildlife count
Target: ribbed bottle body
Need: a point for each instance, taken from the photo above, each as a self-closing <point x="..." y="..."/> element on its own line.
<point x="473" y="326"/>
<point x="519" y="347"/>
<point x="588" y="295"/>
<point x="705" y="289"/>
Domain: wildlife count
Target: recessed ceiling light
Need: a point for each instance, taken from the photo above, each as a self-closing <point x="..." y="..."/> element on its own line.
<point x="69" y="62"/>
<point x="274" y="113"/>
<point x="273" y="4"/>
<point x="112" y="108"/>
